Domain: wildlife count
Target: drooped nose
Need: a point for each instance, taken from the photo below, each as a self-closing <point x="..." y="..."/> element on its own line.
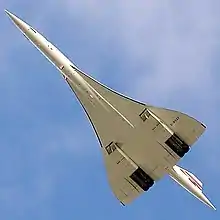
<point x="21" y="25"/>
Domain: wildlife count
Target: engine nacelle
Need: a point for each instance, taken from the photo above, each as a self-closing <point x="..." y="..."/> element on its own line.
<point x="142" y="179"/>
<point x="177" y="145"/>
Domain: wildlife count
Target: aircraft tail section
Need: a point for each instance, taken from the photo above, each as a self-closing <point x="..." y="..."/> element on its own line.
<point x="193" y="179"/>
<point x="178" y="130"/>
<point x="189" y="182"/>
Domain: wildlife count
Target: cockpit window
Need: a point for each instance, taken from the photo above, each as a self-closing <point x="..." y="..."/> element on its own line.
<point x="74" y="67"/>
<point x="33" y="30"/>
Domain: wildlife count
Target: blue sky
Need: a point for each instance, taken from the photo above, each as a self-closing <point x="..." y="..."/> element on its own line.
<point x="161" y="52"/>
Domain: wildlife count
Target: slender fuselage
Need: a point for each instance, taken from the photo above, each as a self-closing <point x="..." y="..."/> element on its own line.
<point x="61" y="62"/>
<point x="67" y="69"/>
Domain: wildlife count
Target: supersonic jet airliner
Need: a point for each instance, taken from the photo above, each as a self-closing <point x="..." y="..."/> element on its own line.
<point x="140" y="143"/>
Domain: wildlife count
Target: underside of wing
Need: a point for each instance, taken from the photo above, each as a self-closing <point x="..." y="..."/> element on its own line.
<point x="186" y="127"/>
<point x="126" y="178"/>
<point x="149" y="139"/>
<point x="110" y="122"/>
<point x="127" y="106"/>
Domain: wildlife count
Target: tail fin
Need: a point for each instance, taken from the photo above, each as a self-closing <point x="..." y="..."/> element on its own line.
<point x="193" y="179"/>
<point x="189" y="182"/>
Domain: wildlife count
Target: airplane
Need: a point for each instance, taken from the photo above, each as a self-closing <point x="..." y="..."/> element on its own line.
<point x="140" y="143"/>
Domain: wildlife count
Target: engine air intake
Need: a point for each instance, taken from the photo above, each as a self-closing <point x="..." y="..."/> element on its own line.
<point x="142" y="179"/>
<point x="177" y="145"/>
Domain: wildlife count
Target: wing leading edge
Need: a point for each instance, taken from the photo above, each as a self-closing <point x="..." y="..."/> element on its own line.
<point x="141" y="152"/>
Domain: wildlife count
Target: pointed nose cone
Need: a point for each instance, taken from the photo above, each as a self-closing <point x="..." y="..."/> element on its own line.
<point x="207" y="202"/>
<point x="22" y="26"/>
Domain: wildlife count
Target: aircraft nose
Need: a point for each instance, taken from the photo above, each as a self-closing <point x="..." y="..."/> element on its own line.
<point x="17" y="21"/>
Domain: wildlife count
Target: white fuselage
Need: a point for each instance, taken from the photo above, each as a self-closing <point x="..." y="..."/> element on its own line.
<point x="61" y="62"/>
<point x="68" y="70"/>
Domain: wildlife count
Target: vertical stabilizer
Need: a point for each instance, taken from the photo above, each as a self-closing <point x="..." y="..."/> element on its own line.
<point x="189" y="182"/>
